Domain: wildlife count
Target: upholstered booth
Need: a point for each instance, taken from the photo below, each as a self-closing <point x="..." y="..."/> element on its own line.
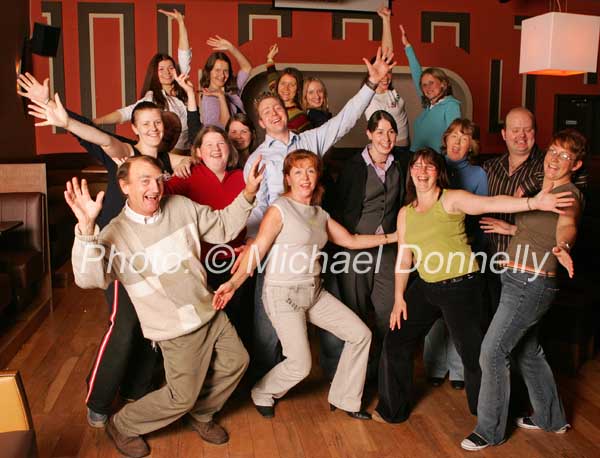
<point x="17" y="437"/>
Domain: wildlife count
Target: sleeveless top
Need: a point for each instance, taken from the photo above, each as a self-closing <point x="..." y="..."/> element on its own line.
<point x="294" y="257"/>
<point x="536" y="235"/>
<point x="438" y="242"/>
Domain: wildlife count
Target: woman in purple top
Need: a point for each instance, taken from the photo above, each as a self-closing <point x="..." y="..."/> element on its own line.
<point x="220" y="89"/>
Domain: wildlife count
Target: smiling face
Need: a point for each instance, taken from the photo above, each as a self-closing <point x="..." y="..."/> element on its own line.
<point x="272" y="116"/>
<point x="458" y="144"/>
<point x="214" y="152"/>
<point x="383" y="138"/>
<point x="144" y="188"/>
<point x="287" y="89"/>
<point x="166" y="72"/>
<point x="149" y="126"/>
<point x="424" y="175"/>
<point x="219" y="74"/>
<point x="302" y="179"/>
<point x="432" y="87"/>
<point x="315" y="95"/>
<point x="240" y="135"/>
<point x="559" y="164"/>
<point x="384" y="83"/>
<point x="519" y="133"/>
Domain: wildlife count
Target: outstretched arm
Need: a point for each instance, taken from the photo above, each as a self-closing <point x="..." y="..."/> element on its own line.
<point x="458" y="201"/>
<point x="221" y="44"/>
<point x="340" y="236"/>
<point x="386" y="34"/>
<point x="413" y="62"/>
<point x="54" y="114"/>
<point x="269" y="229"/>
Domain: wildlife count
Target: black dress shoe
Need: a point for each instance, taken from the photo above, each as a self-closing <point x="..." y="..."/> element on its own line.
<point x="360" y="415"/>
<point x="266" y="411"/>
<point x="457" y="384"/>
<point x="436" y="381"/>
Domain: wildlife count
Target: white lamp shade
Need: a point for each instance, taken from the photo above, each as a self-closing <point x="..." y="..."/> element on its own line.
<point x="559" y="44"/>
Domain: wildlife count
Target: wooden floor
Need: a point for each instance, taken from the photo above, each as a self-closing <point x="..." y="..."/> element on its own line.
<point x="55" y="362"/>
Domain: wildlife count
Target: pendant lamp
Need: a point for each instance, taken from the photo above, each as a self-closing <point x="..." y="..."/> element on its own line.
<point x="559" y="44"/>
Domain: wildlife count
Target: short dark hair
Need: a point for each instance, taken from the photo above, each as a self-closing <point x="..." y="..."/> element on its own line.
<point x="428" y="156"/>
<point x="142" y="106"/>
<point x="377" y="116"/>
<point x="264" y="96"/>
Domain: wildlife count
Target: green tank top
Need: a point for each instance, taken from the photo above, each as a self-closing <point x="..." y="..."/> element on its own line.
<point x="438" y="242"/>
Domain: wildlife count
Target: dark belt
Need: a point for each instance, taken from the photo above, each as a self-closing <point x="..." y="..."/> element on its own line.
<point x="456" y="279"/>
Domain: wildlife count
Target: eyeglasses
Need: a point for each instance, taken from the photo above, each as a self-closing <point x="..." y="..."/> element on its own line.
<point x="426" y="167"/>
<point x="563" y="156"/>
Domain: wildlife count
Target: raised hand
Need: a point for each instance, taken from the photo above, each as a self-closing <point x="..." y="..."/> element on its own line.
<point x="32" y="89"/>
<point x="219" y="44"/>
<point x="273" y="50"/>
<point x="184" y="81"/>
<point x="565" y="259"/>
<point x="223" y="295"/>
<point x="398" y="312"/>
<point x="384" y="13"/>
<point x="384" y="62"/>
<point x="54" y="114"/>
<point x="254" y="177"/>
<point x="545" y="200"/>
<point x="497" y="226"/>
<point x="85" y="208"/>
<point x="403" y="37"/>
<point x="175" y="15"/>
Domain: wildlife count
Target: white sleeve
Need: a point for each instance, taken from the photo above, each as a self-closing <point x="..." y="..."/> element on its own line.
<point x="126" y="111"/>
<point x="184" y="58"/>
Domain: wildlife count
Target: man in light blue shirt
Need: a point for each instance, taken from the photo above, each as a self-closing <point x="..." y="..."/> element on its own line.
<point x="279" y="142"/>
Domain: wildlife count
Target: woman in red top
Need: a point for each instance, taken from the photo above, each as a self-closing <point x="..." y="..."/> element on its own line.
<point x="214" y="181"/>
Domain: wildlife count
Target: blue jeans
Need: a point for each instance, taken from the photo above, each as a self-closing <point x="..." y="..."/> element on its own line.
<point x="514" y="329"/>
<point x="440" y="355"/>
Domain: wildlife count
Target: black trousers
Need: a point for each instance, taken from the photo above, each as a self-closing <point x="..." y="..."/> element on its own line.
<point x="460" y="305"/>
<point x="125" y="361"/>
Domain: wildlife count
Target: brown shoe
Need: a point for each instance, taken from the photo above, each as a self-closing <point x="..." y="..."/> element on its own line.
<point x="210" y="431"/>
<point x="131" y="446"/>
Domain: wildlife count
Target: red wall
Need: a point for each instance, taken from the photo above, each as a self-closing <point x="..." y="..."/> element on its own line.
<point x="492" y="36"/>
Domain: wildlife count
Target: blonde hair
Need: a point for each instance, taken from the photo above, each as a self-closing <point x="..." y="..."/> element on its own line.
<point x="307" y="81"/>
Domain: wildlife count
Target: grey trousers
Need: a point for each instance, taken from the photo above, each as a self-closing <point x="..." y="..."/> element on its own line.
<point x="201" y="369"/>
<point x="289" y="308"/>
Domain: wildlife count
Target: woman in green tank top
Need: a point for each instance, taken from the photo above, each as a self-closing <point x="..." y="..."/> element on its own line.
<point x="431" y="235"/>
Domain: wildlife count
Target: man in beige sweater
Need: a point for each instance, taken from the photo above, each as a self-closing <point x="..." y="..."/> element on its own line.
<point x="153" y="248"/>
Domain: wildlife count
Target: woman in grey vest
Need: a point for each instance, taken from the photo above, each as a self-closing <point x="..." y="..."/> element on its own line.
<point x="293" y="231"/>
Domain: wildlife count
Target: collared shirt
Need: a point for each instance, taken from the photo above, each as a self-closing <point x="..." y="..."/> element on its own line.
<point x="527" y="179"/>
<point x="379" y="171"/>
<point x="139" y="218"/>
<point x="317" y="140"/>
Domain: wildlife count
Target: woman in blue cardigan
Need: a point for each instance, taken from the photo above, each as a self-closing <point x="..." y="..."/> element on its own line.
<point x="440" y="108"/>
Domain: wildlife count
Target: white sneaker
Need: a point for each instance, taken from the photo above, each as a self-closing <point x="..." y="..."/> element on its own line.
<point x="527" y="423"/>
<point x="474" y="442"/>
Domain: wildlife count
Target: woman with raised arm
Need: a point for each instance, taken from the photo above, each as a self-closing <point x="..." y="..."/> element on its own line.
<point x="125" y="361"/>
<point x="540" y="242"/>
<point x="294" y="229"/>
<point x="386" y="98"/>
<point x="288" y="85"/>
<point x="160" y="86"/>
<point x="440" y="108"/>
<point x="431" y="234"/>
<point x="460" y="144"/>
<point x="221" y="89"/>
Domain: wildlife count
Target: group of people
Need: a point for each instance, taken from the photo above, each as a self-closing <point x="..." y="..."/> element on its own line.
<point x="266" y="208"/>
